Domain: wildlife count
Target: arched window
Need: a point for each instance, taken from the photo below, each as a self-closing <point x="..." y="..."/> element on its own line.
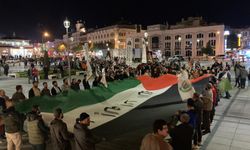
<point x="155" y="42"/>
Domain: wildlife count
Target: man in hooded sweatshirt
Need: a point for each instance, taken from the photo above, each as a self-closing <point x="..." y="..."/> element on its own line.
<point x="84" y="139"/>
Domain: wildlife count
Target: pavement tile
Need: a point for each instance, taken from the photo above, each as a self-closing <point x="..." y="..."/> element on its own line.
<point x="239" y="144"/>
<point x="242" y="138"/>
<point x="229" y="124"/>
<point x="227" y="129"/>
<point x="226" y="135"/>
<point x="244" y="126"/>
<point x="215" y="146"/>
<point x="243" y="132"/>
<point x="220" y="140"/>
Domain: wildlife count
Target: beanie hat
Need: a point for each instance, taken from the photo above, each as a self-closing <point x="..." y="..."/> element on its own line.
<point x="57" y="112"/>
<point x="83" y="116"/>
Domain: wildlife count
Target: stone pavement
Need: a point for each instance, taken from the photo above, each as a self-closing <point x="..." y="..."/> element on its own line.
<point x="231" y="125"/>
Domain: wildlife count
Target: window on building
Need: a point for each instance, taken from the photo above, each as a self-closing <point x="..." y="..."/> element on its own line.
<point x="211" y="35"/>
<point x="199" y="53"/>
<point x="167" y="53"/>
<point x="199" y="44"/>
<point x="188" y="53"/>
<point x="137" y="45"/>
<point x="189" y="36"/>
<point x="188" y="45"/>
<point x="168" y="45"/>
<point x="177" y="52"/>
<point x="212" y="43"/>
<point x="112" y="34"/>
<point x="137" y="40"/>
<point x="200" y="35"/>
<point x="178" y="45"/>
<point x="177" y="37"/>
<point x="167" y="38"/>
<point x="155" y="42"/>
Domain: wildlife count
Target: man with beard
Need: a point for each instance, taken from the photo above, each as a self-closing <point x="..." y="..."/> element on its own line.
<point x="34" y="91"/>
<point x="84" y="139"/>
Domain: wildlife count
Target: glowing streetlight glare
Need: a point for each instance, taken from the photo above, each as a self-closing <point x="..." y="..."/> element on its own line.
<point x="179" y="38"/>
<point x="90" y="41"/>
<point x="145" y="34"/>
<point x="226" y="33"/>
<point x="218" y="32"/>
<point x="239" y="35"/>
<point x="198" y="40"/>
<point x="46" y="34"/>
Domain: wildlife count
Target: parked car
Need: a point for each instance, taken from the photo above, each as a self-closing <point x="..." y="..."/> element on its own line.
<point x="176" y="58"/>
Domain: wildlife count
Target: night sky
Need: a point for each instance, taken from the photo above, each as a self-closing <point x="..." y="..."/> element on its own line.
<point x="29" y="18"/>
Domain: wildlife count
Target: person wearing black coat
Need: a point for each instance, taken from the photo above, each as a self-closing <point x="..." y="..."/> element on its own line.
<point x="84" y="139"/>
<point x="85" y="83"/>
<point x="182" y="134"/>
<point x="60" y="135"/>
<point x="55" y="89"/>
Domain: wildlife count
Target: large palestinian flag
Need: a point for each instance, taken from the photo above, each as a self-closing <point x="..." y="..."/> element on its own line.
<point x="122" y="113"/>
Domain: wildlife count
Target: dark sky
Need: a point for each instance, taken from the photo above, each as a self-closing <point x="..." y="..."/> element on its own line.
<point x="28" y="18"/>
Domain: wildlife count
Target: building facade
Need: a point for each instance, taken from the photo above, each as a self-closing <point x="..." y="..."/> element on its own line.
<point x="15" y="47"/>
<point x="186" y="38"/>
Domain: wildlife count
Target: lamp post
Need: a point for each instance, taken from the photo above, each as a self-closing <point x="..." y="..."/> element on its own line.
<point x="66" y="24"/>
<point x="46" y="57"/>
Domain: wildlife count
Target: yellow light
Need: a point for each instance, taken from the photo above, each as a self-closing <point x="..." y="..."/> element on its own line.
<point x="218" y="32"/>
<point x="46" y="34"/>
<point x="90" y="41"/>
<point x="239" y="41"/>
<point x="62" y="47"/>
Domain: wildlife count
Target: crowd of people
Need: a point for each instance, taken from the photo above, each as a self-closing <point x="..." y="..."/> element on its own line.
<point x="12" y="127"/>
<point x="185" y="128"/>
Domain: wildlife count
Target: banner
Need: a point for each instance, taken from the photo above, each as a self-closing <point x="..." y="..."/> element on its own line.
<point x="185" y="87"/>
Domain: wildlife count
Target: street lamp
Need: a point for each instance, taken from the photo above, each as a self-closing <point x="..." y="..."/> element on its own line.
<point x="46" y="57"/>
<point x="66" y="24"/>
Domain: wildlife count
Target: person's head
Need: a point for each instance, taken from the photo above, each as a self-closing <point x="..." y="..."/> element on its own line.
<point x="73" y="80"/>
<point x="19" y="88"/>
<point x="65" y="81"/>
<point x="184" y="118"/>
<point x="190" y="103"/>
<point x="54" y="83"/>
<point x="160" y="127"/>
<point x="35" y="84"/>
<point x="2" y="92"/>
<point x="9" y="103"/>
<point x="84" y="119"/>
<point x="58" y="114"/>
<point x="208" y="86"/>
<point x="36" y="109"/>
<point x="196" y="96"/>
<point x="79" y="81"/>
<point x="45" y="85"/>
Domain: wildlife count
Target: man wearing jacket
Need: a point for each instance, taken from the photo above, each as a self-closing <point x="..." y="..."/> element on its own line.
<point x="12" y="124"/>
<point x="37" y="130"/>
<point x="59" y="132"/>
<point x="84" y="140"/>
<point x="182" y="134"/>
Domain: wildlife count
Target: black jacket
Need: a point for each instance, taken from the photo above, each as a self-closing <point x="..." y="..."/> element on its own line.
<point x="182" y="137"/>
<point x="59" y="135"/>
<point x="12" y="121"/>
<point x="84" y="140"/>
<point x="53" y="91"/>
<point x="85" y="84"/>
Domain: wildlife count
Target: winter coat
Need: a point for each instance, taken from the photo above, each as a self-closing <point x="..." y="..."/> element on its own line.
<point x="84" y="139"/>
<point x="17" y="97"/>
<point x="37" y="130"/>
<point x="59" y="135"/>
<point x="182" y="137"/>
<point x="154" y="142"/>
<point x="11" y="120"/>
